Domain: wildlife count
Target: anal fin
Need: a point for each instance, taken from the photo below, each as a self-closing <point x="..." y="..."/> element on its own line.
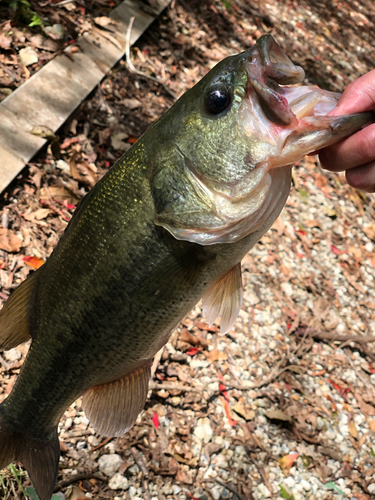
<point x="113" y="408"/>
<point x="14" y="324"/>
<point x="224" y="299"/>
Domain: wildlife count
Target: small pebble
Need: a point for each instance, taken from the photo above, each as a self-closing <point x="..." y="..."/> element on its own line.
<point x="110" y="464"/>
<point x="118" y="482"/>
<point x="203" y="430"/>
<point x="28" y="56"/>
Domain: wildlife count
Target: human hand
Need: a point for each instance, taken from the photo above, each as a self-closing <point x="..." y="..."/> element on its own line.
<point x="356" y="154"/>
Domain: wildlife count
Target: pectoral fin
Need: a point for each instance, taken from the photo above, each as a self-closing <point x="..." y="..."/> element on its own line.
<point x="113" y="408"/>
<point x="224" y="299"/>
<point x="14" y="316"/>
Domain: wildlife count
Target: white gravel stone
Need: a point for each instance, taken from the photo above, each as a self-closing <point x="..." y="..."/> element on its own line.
<point x="203" y="430"/>
<point x="371" y="488"/>
<point x="216" y="492"/>
<point x="28" y="56"/>
<point x="118" y="482"/>
<point x="110" y="464"/>
<point x="133" y="491"/>
<point x="263" y="490"/>
<point x="305" y="485"/>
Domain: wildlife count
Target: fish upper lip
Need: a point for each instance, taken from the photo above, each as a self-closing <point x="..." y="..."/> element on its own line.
<point x="270" y="71"/>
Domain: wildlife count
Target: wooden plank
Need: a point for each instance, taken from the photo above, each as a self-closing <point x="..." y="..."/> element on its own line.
<point x="11" y="166"/>
<point x="51" y="95"/>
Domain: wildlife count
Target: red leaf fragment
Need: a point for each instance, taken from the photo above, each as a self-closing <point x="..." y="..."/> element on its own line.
<point x="33" y="261"/>
<point x="287" y="461"/>
<point x="192" y="351"/>
<point x="155" y="419"/>
<point x="341" y="390"/>
<point x="335" y="250"/>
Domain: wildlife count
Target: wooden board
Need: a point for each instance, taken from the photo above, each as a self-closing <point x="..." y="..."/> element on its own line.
<point x="50" y="96"/>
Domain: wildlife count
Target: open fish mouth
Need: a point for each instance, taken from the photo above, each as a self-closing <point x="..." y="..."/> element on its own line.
<point x="294" y="118"/>
<point x="269" y="70"/>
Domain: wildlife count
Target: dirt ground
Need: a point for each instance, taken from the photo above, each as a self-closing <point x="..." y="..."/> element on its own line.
<point x="284" y="405"/>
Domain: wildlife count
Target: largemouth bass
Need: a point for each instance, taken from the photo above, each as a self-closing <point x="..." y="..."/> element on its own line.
<point x="166" y="226"/>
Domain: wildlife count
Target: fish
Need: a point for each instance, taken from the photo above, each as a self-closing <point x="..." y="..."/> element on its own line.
<point x="166" y="226"/>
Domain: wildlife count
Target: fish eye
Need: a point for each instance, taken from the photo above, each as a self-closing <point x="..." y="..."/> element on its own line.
<point x="218" y="99"/>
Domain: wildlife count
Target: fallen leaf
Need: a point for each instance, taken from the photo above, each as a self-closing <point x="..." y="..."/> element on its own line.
<point x="312" y="223"/>
<point x="277" y="415"/>
<point x="332" y="486"/>
<point x="361" y="496"/>
<point x="245" y="414"/>
<point x="372" y="425"/>
<point x="5" y="41"/>
<point x="216" y="355"/>
<point x="365" y="407"/>
<point x="58" y="193"/>
<point x="45" y="132"/>
<point x="192" y="351"/>
<point x="42" y="213"/>
<point x="287" y="461"/>
<point x="9" y="241"/>
<point x="155" y="419"/>
<point x="33" y="261"/>
<point x="227" y="411"/>
<point x="369" y="231"/>
<point x="353" y="429"/>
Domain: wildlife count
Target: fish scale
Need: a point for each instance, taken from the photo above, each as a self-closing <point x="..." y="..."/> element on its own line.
<point x="166" y="226"/>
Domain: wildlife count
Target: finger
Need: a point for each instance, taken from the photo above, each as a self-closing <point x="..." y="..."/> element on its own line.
<point x="358" y="96"/>
<point x="354" y="151"/>
<point x="362" y="177"/>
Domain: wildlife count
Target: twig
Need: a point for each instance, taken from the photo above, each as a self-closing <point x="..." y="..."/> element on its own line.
<point x="176" y="387"/>
<point x="140" y="461"/>
<point x="346" y="339"/>
<point x="226" y="485"/>
<point x="262" y="472"/>
<point x="100" y="445"/>
<point x="63" y="2"/>
<point x="133" y="69"/>
<point x="78" y="477"/>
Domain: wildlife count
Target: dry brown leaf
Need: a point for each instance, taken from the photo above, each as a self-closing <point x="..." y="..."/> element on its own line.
<point x="355" y="252"/>
<point x="9" y="241"/>
<point x="58" y="193"/>
<point x="372" y="425"/>
<point x="320" y="180"/>
<point x="369" y="231"/>
<point x="279" y="225"/>
<point x="216" y="355"/>
<point x="361" y="496"/>
<point x="245" y="414"/>
<point x="277" y="415"/>
<point x="365" y="407"/>
<point x="5" y="41"/>
<point x="40" y="214"/>
<point x="353" y="429"/>
<point x="312" y="223"/>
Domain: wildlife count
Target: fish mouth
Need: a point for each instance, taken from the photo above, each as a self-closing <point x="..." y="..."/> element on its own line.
<point x="296" y="116"/>
<point x="269" y="72"/>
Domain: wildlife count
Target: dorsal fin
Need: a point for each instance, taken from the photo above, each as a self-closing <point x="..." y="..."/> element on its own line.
<point x="224" y="299"/>
<point x="113" y="408"/>
<point x="14" y="316"/>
